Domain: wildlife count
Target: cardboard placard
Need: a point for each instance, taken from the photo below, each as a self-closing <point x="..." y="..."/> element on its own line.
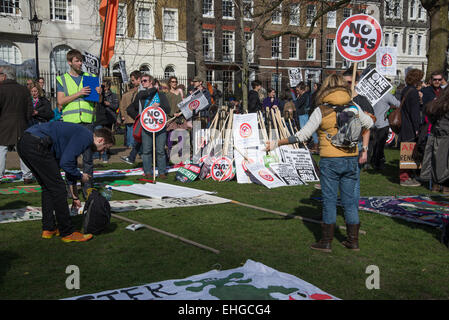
<point x="407" y="160"/>
<point x="287" y="173"/>
<point x="302" y="161"/>
<point x="373" y="86"/>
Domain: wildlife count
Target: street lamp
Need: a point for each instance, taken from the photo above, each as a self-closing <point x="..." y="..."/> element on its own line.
<point x="36" y="25"/>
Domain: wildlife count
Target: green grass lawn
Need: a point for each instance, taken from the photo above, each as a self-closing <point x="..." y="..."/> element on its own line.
<point x="413" y="263"/>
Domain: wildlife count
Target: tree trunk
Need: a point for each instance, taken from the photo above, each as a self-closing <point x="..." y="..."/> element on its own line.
<point x="439" y="33"/>
<point x="198" y="40"/>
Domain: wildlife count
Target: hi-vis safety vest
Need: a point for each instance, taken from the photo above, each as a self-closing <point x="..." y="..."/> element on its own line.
<point x="79" y="110"/>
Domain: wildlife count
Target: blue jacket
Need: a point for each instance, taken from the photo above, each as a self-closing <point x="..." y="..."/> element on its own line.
<point x="69" y="141"/>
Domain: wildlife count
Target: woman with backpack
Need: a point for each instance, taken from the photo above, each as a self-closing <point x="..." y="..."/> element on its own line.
<point x="338" y="165"/>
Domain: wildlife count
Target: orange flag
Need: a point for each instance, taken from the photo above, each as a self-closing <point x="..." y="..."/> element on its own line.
<point x="108" y="12"/>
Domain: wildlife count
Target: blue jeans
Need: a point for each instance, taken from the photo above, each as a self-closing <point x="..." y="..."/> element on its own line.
<point x="302" y="122"/>
<point x="147" y="152"/>
<point x="129" y="135"/>
<point x="339" y="174"/>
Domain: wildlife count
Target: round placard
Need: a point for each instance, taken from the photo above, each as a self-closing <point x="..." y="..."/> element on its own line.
<point x="222" y="169"/>
<point x="153" y="119"/>
<point x="358" y="37"/>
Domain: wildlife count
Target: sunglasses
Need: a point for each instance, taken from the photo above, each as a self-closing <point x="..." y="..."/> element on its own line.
<point x="437" y="79"/>
<point x="144" y="81"/>
<point x="174" y="81"/>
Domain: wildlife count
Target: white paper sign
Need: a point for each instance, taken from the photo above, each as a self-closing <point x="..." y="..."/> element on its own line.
<point x="386" y="60"/>
<point x="373" y="86"/>
<point x="253" y="155"/>
<point x="91" y="63"/>
<point x="193" y="103"/>
<point x="264" y="176"/>
<point x="302" y="161"/>
<point x="295" y="76"/>
<point x="245" y="130"/>
<point x="288" y="173"/>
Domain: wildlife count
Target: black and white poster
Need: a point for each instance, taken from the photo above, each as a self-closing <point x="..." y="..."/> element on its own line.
<point x="287" y="173"/>
<point x="301" y="161"/>
<point x="91" y="63"/>
<point x="373" y="86"/>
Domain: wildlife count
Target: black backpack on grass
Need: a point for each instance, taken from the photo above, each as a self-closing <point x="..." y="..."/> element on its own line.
<point x="96" y="213"/>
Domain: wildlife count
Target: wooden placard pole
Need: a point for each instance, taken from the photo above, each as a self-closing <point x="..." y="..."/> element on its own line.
<point x="354" y="72"/>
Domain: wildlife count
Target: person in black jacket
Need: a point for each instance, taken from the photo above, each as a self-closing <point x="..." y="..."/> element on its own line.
<point x="254" y="104"/>
<point x="143" y="99"/>
<point x="42" y="111"/>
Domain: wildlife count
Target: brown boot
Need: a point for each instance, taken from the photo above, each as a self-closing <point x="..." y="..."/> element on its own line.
<point x="352" y="242"/>
<point x="326" y="238"/>
<point x="436" y="187"/>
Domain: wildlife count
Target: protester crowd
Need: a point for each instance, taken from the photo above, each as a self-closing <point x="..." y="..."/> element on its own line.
<point x="26" y="114"/>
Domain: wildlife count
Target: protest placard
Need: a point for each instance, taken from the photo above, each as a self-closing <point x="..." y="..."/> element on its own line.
<point x="373" y="86"/>
<point x="302" y="162"/>
<point x="246" y="131"/>
<point x="287" y="173"/>
<point x="295" y="76"/>
<point x="193" y="103"/>
<point x="261" y="175"/>
<point x="386" y="60"/>
<point x="91" y="63"/>
<point x="407" y="158"/>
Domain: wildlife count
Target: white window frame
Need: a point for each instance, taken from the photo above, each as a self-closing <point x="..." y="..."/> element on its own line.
<point x="232" y="79"/>
<point x="295" y="12"/>
<point x="312" y="47"/>
<point x="419" y="44"/>
<point x="169" y="74"/>
<point x="330" y="52"/>
<point x="410" y="42"/>
<point x="293" y="50"/>
<point x="211" y="44"/>
<point x="231" y="46"/>
<point x="245" y="4"/>
<point x="350" y="12"/>
<point x="332" y="23"/>
<point x="13" y="53"/>
<point x="412" y="9"/>
<point x="122" y="18"/>
<point x="276" y="17"/>
<point x="386" y="39"/>
<point x="68" y="8"/>
<point x="175" y="27"/>
<point x="210" y="13"/>
<point x="232" y="16"/>
<point x="310" y="19"/>
<point x="142" y="5"/>
<point x="421" y="12"/>
<point x="211" y="78"/>
<point x="249" y="43"/>
<point x="276" y="54"/>
<point x="397" y="39"/>
<point x="16" y="9"/>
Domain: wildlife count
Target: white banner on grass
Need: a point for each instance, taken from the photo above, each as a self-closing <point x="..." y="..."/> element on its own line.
<point x="302" y="161"/>
<point x="253" y="281"/>
<point x="161" y="190"/>
<point x="287" y="173"/>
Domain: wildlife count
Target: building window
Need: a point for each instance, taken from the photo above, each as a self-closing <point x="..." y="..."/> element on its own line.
<point x="208" y="45"/>
<point x="422" y="13"/>
<point x="332" y="19"/>
<point x="346" y="63"/>
<point x="144" y="23"/>
<point x="347" y="12"/>
<point x="294" y="14"/>
<point x="276" y="48"/>
<point x="58" y="60"/>
<point x="145" y="68"/>
<point x="276" y="81"/>
<point x="330" y="53"/>
<point x="228" y="46"/>
<point x="386" y="39"/>
<point x="170" y="24"/>
<point x="208" y="8"/>
<point x="61" y="10"/>
<point x="410" y="45"/>
<point x="210" y="76"/>
<point x="228" y="9"/>
<point x="395" y="39"/>
<point x="276" y="17"/>
<point x="393" y="9"/>
<point x="412" y="9"/>
<point x="310" y="49"/>
<point x="10" y="53"/>
<point x="228" y="81"/>
<point x="310" y="14"/>
<point x="169" y="71"/>
<point x="10" y="7"/>
<point x="248" y="9"/>
<point x="293" y="47"/>
<point x="418" y="45"/>
<point x="121" y="20"/>
<point x="249" y="42"/>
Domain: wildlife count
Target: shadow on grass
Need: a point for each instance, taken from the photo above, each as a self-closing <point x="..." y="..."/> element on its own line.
<point x="6" y="257"/>
<point x="78" y="223"/>
<point x="14" y="205"/>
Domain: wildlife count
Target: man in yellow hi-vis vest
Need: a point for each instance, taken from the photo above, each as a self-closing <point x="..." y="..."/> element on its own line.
<point x="70" y="98"/>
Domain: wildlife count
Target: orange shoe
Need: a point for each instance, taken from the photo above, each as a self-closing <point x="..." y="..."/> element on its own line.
<point x="77" y="237"/>
<point x="46" y="234"/>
